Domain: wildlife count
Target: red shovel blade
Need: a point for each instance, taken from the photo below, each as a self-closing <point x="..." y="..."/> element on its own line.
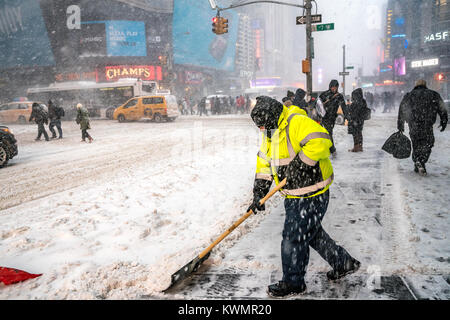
<point x="10" y="275"/>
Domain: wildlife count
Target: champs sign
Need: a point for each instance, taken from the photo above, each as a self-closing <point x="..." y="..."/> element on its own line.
<point x="113" y="73"/>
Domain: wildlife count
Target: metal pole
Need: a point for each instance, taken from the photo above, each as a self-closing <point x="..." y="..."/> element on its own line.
<point x="308" y="7"/>
<point x="343" y="70"/>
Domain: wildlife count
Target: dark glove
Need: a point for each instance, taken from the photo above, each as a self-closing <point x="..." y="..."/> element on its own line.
<point x="260" y="189"/>
<point x="443" y="125"/>
<point x="255" y="206"/>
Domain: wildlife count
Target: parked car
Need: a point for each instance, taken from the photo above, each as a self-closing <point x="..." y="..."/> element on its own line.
<point x="155" y="107"/>
<point x="17" y="112"/>
<point x="8" y="145"/>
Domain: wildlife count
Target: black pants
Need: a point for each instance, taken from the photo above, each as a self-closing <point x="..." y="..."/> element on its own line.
<point x="41" y="130"/>
<point x="422" y="142"/>
<point x="85" y="134"/>
<point x="302" y="229"/>
<point x="330" y="128"/>
<point x="57" y="123"/>
<point x="357" y="137"/>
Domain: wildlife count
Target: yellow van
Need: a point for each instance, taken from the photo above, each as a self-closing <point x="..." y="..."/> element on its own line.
<point x="19" y="111"/>
<point x="155" y="107"/>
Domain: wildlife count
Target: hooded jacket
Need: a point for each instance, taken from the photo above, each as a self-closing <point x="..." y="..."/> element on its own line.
<point x="331" y="103"/>
<point x="356" y="111"/>
<point x="298" y="149"/>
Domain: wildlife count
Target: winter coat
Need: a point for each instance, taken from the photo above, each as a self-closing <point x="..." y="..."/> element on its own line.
<point x="298" y="149"/>
<point x="419" y="109"/>
<point x="83" y="118"/>
<point x="356" y="112"/>
<point x="38" y="114"/>
<point x="331" y="103"/>
<point x="55" y="112"/>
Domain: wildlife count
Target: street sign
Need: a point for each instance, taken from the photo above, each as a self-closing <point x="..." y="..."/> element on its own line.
<point x="312" y="48"/>
<point x="344" y="73"/>
<point x="315" y="18"/>
<point x="323" y="27"/>
<point x="349" y="67"/>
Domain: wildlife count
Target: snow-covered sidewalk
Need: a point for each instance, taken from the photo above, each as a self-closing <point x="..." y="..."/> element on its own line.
<point x="144" y="199"/>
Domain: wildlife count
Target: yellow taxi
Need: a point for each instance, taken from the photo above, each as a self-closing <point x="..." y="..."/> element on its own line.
<point x="154" y="107"/>
<point x="18" y="112"/>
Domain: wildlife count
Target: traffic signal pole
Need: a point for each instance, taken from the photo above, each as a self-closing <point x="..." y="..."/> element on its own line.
<point x="343" y="70"/>
<point x="308" y="7"/>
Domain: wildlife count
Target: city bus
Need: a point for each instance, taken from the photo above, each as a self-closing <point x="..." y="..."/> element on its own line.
<point x="101" y="99"/>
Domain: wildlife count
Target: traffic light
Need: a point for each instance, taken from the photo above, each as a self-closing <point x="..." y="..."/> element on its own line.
<point x="224" y="25"/>
<point x="441" y="77"/>
<point x="215" y="25"/>
<point x="219" y="25"/>
<point x="162" y="59"/>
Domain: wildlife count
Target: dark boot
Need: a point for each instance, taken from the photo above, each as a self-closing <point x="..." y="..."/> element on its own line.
<point x="282" y="289"/>
<point x="349" y="268"/>
<point x="355" y="149"/>
<point x="420" y="169"/>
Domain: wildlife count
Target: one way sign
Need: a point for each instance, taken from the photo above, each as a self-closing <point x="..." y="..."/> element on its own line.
<point x="315" y="18"/>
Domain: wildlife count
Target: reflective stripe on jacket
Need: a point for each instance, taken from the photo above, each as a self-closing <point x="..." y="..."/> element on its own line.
<point x="309" y="141"/>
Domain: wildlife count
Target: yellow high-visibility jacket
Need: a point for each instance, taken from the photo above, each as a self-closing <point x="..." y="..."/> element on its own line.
<point x="295" y="109"/>
<point x="297" y="136"/>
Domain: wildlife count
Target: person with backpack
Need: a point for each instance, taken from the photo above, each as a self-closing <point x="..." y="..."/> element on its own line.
<point x="40" y="116"/>
<point x="357" y="112"/>
<point x="83" y="121"/>
<point x="55" y="113"/>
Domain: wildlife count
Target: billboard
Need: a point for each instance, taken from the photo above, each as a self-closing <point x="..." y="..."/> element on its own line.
<point x="400" y="66"/>
<point x="195" y="44"/>
<point x="101" y="32"/>
<point x="113" y="39"/>
<point x="23" y="35"/>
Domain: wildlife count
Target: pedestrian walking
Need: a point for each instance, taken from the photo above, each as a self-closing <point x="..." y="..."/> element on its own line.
<point x="419" y="108"/>
<point x="247" y="103"/>
<point x="331" y="101"/>
<point x="297" y="148"/>
<point x="357" y="113"/>
<point x="55" y="113"/>
<point x="40" y="116"/>
<point x="202" y="107"/>
<point x="83" y="121"/>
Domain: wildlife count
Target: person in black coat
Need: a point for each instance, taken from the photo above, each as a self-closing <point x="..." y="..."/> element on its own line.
<point x="419" y="109"/>
<point x="356" y="114"/>
<point x="40" y="116"/>
<point x="54" y="114"/>
<point x="332" y="100"/>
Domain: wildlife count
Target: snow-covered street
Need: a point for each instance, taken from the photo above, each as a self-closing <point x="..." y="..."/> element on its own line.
<point x="115" y="218"/>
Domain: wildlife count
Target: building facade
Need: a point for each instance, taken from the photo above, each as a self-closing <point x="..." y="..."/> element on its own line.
<point x="417" y="45"/>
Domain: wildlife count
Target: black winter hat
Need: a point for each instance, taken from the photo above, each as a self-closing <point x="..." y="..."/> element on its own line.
<point x="333" y="83"/>
<point x="299" y="96"/>
<point x="266" y="112"/>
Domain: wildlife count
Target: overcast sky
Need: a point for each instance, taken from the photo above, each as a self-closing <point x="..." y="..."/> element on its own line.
<point x="358" y="25"/>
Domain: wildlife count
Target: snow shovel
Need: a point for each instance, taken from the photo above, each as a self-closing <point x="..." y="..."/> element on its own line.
<point x="197" y="261"/>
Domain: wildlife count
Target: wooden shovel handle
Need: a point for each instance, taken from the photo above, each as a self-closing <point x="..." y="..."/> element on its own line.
<point x="242" y="219"/>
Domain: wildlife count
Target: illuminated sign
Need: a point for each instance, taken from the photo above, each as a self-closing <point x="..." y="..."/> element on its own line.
<point x="114" y="73"/>
<point x="438" y="36"/>
<point x="424" y="63"/>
